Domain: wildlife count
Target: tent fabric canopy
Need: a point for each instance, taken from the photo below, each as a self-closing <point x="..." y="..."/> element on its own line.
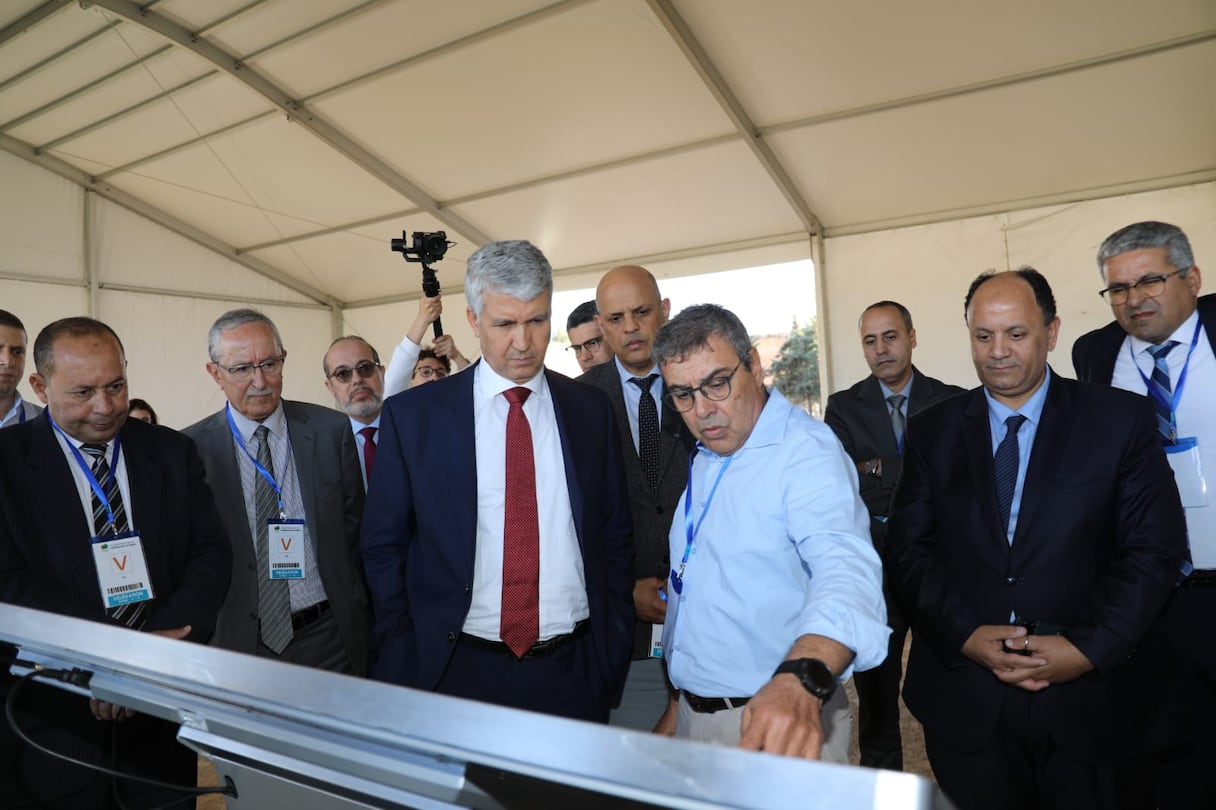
<point x="297" y="136"/>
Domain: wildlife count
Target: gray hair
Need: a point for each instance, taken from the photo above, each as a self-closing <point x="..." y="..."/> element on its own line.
<point x="1142" y="235"/>
<point x="516" y="268"/>
<point x="232" y="319"/>
<point x="692" y="328"/>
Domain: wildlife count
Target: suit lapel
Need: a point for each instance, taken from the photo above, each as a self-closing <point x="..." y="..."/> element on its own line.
<point x="876" y="417"/>
<point x="461" y="432"/>
<point x="225" y="478"/>
<point x="1049" y="440"/>
<point x="977" y="439"/>
<point x="569" y="454"/>
<point x="145" y="486"/>
<point x="304" y="450"/>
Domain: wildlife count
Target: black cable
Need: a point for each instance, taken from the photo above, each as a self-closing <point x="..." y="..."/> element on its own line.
<point x="81" y="678"/>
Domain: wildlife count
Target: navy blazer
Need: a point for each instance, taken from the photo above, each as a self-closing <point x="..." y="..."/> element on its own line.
<point x="1097" y="548"/>
<point x="419" y="532"/>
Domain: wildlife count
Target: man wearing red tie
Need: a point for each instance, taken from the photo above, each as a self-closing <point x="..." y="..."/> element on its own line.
<point x="354" y="375"/>
<point x="499" y="558"/>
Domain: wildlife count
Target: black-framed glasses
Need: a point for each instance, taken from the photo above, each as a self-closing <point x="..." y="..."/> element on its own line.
<point x="246" y="371"/>
<point x="1149" y="287"/>
<point x="365" y="369"/>
<point x="589" y="346"/>
<point x="714" y="389"/>
<point x="430" y="372"/>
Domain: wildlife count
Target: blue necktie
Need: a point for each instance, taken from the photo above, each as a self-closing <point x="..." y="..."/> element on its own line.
<point x="1005" y="468"/>
<point x="1163" y="391"/>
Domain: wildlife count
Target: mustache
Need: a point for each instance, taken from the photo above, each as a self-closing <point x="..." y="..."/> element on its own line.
<point x="259" y="392"/>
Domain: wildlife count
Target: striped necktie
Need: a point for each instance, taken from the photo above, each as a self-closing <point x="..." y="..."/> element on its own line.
<point x="132" y="614"/>
<point x="1163" y="390"/>
<point x="274" y="598"/>
<point x="1005" y="468"/>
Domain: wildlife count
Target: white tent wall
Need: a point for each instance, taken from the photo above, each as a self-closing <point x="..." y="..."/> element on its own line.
<point x="928" y="269"/>
<point x="44" y="275"/>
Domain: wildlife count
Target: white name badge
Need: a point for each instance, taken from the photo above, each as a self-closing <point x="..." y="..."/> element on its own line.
<point x="656" y="641"/>
<point x="122" y="571"/>
<point x="286" y="546"/>
<point x="1188" y="471"/>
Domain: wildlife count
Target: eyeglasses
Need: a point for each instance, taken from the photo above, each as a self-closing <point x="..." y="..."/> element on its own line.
<point x="714" y="389"/>
<point x="1149" y="287"/>
<point x="269" y="368"/>
<point x="430" y="373"/>
<point x="366" y="369"/>
<point x="589" y="346"/>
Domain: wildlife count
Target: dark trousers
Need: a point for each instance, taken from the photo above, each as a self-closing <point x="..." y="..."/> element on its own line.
<point x="1186" y="771"/>
<point x="878" y="736"/>
<point x="61" y="721"/>
<point x="565" y="682"/>
<point x="318" y="645"/>
<point x="1021" y="768"/>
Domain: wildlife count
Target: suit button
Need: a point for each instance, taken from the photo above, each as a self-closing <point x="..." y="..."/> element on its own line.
<point x="1012" y="580"/>
<point x="451" y="636"/>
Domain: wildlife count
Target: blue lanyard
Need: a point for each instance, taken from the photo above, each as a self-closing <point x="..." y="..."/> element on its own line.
<point x="1172" y="404"/>
<point x="21" y="414"/>
<point x="262" y="471"/>
<point x="690" y="530"/>
<point x="94" y="484"/>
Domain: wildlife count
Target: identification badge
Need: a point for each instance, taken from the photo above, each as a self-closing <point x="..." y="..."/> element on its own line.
<point x="286" y="539"/>
<point x="1188" y="471"/>
<point x="122" y="571"/>
<point x="656" y="641"/>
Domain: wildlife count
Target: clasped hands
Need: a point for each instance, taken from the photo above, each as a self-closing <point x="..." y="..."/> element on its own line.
<point x="1026" y="661"/>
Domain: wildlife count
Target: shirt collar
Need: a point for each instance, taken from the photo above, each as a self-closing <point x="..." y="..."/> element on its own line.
<point x="356" y="425"/>
<point x="887" y="393"/>
<point x="627" y="375"/>
<point x="1183" y="334"/>
<point x="276" y="423"/>
<point x="17" y="406"/>
<point x="490" y="384"/>
<point x="1032" y="408"/>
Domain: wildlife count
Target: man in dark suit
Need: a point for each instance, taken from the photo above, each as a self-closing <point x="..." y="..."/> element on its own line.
<point x="288" y="483"/>
<point x="869" y="418"/>
<point x="1162" y="344"/>
<point x="1035" y="500"/>
<point x="655" y="445"/>
<point x="152" y="482"/>
<point x="497" y="534"/>
<point x="13" y="409"/>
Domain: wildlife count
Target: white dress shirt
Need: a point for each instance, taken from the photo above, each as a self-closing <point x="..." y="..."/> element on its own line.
<point x="563" y="588"/>
<point x="84" y="490"/>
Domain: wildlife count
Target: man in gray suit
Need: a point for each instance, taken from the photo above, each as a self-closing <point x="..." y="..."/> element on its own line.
<point x="288" y="484"/>
<point x="655" y="445"/>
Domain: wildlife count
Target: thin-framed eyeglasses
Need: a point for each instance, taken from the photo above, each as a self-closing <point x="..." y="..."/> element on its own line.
<point x="715" y="389"/>
<point x="430" y="372"/>
<point x="1149" y="287"/>
<point x="589" y="346"/>
<point x="269" y="368"/>
<point x="366" y="369"/>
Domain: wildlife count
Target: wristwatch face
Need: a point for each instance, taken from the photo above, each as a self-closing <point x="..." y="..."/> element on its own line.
<point x="872" y="467"/>
<point x="815" y="673"/>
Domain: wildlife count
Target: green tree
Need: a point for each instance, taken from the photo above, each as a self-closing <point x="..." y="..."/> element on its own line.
<point x="796" y="368"/>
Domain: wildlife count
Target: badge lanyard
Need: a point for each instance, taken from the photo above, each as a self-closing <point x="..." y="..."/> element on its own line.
<point x="690" y="531"/>
<point x="1177" y="395"/>
<point x="94" y="484"/>
<point x="262" y="471"/>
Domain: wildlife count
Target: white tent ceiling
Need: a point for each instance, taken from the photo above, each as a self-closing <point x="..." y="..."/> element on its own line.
<point x="298" y="136"/>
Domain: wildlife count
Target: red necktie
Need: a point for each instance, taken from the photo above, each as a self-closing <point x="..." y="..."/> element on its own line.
<point x="521" y="534"/>
<point x="369" y="450"/>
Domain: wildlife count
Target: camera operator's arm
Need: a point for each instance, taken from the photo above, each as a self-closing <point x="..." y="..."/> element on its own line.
<point x="446" y="347"/>
<point x="405" y="356"/>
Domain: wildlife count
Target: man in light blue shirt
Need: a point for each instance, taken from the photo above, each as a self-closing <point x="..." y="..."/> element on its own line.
<point x="775" y="593"/>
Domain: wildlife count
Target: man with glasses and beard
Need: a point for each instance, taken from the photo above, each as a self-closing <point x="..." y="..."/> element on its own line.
<point x="775" y="592"/>
<point x="286" y="479"/>
<point x="354" y="376"/>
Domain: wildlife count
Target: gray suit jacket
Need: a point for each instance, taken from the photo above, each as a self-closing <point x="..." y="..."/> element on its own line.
<point x="652" y="510"/>
<point x="332" y="489"/>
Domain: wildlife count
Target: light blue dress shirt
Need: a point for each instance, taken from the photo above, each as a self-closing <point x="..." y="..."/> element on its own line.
<point x="633" y="397"/>
<point x="1033" y="411"/>
<point x="784" y="550"/>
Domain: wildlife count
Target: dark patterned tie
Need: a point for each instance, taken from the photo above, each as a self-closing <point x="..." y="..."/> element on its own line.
<point x="274" y="597"/>
<point x="897" y="418"/>
<point x="132" y="614"/>
<point x="1163" y="390"/>
<point x="369" y="450"/>
<point x="1005" y="468"/>
<point x="648" y="430"/>
<point x="520" y="617"/>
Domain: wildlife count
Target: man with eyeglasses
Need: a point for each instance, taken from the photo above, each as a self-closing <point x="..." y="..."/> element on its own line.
<point x="774" y="592"/>
<point x="402" y="370"/>
<point x="586" y="337"/>
<point x="655" y="444"/>
<point x="1161" y="345"/>
<point x="431" y="367"/>
<point x="286" y="478"/>
<point x="869" y="418"/>
<point x="354" y="376"/>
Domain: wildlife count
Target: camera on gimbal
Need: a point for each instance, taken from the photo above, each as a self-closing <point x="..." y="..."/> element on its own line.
<point x="428" y="247"/>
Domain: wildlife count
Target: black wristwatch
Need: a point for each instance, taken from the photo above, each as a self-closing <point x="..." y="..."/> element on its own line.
<point x="815" y="676"/>
<point x="872" y="467"/>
